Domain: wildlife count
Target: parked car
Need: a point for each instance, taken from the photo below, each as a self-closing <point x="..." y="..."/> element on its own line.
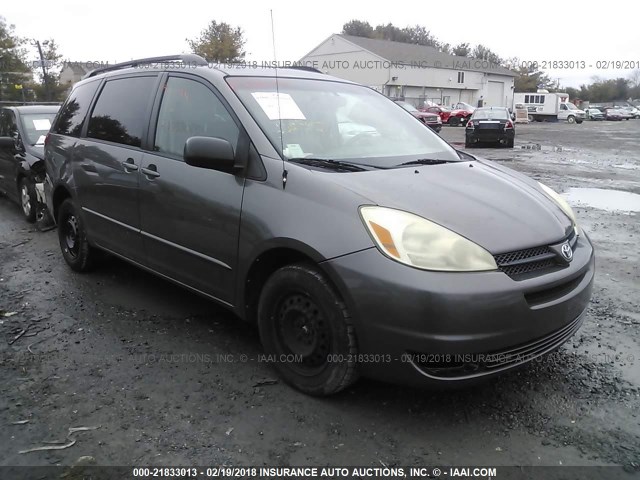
<point x="614" y="114"/>
<point x="450" y="117"/>
<point x="490" y="125"/>
<point x="463" y="106"/>
<point x="626" y="114"/>
<point x="391" y="255"/>
<point x="430" y="119"/>
<point x="633" y="111"/>
<point x="594" y="114"/>
<point x="22" y="133"/>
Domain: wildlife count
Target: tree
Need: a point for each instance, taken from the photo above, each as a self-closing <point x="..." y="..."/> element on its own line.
<point x="484" y="53"/>
<point x="14" y="69"/>
<point x="49" y="88"/>
<point x="461" y="50"/>
<point x="393" y="33"/>
<point x="358" y="28"/>
<point x="529" y="78"/>
<point x="420" y="36"/>
<point x="219" y="43"/>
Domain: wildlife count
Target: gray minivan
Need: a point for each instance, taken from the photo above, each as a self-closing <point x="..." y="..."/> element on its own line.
<point x="360" y="242"/>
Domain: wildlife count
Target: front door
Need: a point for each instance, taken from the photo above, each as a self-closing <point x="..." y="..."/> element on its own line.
<point x="190" y="216"/>
<point x="8" y="128"/>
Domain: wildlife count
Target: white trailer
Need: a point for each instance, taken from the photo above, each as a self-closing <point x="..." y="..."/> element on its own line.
<point x="544" y="106"/>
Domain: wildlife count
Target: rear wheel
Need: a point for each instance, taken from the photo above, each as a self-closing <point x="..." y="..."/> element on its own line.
<point x="72" y="236"/>
<point x="306" y="330"/>
<point x="28" y="200"/>
<point x="510" y="143"/>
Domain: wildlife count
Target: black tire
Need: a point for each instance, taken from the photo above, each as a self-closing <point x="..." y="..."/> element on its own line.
<point x="300" y="313"/>
<point x="571" y="119"/>
<point x="76" y="250"/>
<point x="454" y="121"/>
<point x="28" y="199"/>
<point x="510" y="143"/>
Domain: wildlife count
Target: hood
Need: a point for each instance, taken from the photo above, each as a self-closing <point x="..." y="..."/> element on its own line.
<point x="495" y="207"/>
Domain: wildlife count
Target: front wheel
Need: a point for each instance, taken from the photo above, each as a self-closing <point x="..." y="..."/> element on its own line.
<point x="454" y="121"/>
<point x="72" y="236"/>
<point x="28" y="199"/>
<point x="571" y="119"/>
<point x="306" y="330"/>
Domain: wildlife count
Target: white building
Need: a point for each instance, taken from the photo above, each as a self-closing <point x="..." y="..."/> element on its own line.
<point x="414" y="72"/>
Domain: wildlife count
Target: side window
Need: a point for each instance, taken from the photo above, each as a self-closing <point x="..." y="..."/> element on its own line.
<point x="190" y="109"/>
<point x="8" y="126"/>
<point x="120" y="113"/>
<point x="71" y="117"/>
<point x="563" y="106"/>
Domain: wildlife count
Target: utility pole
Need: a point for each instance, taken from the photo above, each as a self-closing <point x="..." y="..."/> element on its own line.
<point x="45" y="74"/>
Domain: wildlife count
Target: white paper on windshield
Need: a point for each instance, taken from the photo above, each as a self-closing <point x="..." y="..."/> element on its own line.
<point x="41" y="140"/>
<point x="42" y="124"/>
<point x="293" y="150"/>
<point x="288" y="110"/>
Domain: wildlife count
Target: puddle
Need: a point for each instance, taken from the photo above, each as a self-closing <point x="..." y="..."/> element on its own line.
<point x="545" y="148"/>
<point x="602" y="199"/>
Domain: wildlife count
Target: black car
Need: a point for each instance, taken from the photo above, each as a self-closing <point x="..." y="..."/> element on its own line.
<point x="22" y="133"/>
<point x="493" y="124"/>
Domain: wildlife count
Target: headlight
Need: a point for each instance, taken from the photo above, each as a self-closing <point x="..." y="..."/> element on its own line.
<point x="562" y="203"/>
<point x="415" y="241"/>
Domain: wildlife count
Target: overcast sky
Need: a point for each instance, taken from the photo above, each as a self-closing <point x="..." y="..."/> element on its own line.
<point x="537" y="31"/>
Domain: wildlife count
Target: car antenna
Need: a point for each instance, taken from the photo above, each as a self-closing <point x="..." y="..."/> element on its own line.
<point x="275" y="59"/>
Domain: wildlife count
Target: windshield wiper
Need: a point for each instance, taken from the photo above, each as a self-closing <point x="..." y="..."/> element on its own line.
<point x="427" y="161"/>
<point x="329" y="163"/>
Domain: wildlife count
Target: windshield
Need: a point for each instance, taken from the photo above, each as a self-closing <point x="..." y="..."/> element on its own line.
<point x="339" y="121"/>
<point x="36" y="126"/>
<point x="571" y="106"/>
<point x="488" y="113"/>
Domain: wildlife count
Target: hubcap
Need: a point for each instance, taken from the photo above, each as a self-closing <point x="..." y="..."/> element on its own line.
<point x="70" y="232"/>
<point x="303" y="331"/>
<point x="25" y="200"/>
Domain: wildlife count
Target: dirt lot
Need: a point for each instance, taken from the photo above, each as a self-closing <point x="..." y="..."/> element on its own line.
<point x="170" y="378"/>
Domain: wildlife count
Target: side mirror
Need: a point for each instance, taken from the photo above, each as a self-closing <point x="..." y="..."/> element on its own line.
<point x="7" y="142"/>
<point x="209" y="152"/>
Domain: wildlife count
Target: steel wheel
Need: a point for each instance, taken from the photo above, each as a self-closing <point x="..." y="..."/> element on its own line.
<point x="302" y="331"/>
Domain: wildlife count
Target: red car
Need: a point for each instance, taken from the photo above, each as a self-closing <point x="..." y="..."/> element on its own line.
<point x="429" y="119"/>
<point x="452" y="117"/>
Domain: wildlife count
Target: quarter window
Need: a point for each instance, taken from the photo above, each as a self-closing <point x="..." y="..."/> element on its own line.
<point x="190" y="109"/>
<point x="120" y="113"/>
<point x="71" y="117"/>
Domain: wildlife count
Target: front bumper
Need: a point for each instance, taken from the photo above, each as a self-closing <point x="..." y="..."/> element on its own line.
<point x="406" y="316"/>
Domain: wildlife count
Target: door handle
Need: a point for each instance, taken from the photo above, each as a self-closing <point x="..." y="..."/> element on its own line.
<point x="129" y="166"/>
<point x="151" y="171"/>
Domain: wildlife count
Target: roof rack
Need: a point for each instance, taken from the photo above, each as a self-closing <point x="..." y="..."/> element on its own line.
<point x="184" y="58"/>
<point x="305" y="68"/>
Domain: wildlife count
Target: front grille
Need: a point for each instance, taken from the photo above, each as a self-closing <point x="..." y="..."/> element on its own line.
<point x="530" y="260"/>
<point x="465" y="366"/>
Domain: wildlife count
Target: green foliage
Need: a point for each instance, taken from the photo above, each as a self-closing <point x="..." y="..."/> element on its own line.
<point x="219" y="43"/>
<point x="484" y="53"/>
<point x="358" y="28"/>
<point x="462" y="50"/>
<point x="14" y="69"/>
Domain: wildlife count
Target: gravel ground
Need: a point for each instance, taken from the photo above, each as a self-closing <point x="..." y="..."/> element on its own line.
<point x="160" y="371"/>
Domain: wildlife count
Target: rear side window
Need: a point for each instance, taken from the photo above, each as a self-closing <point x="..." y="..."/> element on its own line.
<point x="120" y="114"/>
<point x="74" y="111"/>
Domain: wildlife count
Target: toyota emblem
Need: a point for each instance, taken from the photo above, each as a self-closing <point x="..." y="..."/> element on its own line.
<point x="567" y="253"/>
